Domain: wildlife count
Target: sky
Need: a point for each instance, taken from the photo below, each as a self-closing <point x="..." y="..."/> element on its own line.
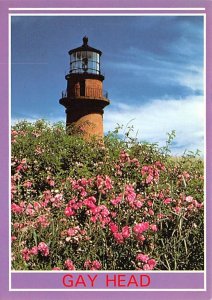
<point x="153" y="67"/>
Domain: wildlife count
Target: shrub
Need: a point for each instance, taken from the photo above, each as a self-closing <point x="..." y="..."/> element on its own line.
<point x="117" y="205"/>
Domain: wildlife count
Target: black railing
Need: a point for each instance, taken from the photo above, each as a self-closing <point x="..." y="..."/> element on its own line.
<point x="64" y="94"/>
<point x="84" y="70"/>
<point x="105" y="94"/>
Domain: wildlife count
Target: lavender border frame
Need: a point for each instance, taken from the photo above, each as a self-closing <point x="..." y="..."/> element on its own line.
<point x="4" y="162"/>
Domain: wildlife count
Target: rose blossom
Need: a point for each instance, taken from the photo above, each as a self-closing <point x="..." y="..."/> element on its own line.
<point x="126" y="231"/>
<point x="56" y="269"/>
<point x="167" y="200"/>
<point x="69" y="264"/>
<point x="118" y="237"/>
<point x="43" y="248"/>
<point x="153" y="227"/>
<point x="96" y="265"/>
<point x="140" y="227"/>
<point x="142" y="257"/>
<point x="189" y="199"/>
<point x="26" y="254"/>
<point x="34" y="250"/>
<point x="113" y="227"/>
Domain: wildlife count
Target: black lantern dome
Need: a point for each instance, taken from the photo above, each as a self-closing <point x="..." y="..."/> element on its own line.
<point x="85" y="59"/>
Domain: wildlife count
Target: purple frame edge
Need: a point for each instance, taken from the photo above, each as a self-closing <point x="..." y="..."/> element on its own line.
<point x="4" y="142"/>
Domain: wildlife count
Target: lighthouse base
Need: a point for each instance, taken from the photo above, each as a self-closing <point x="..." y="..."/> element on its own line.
<point x="85" y="116"/>
<point x="89" y="126"/>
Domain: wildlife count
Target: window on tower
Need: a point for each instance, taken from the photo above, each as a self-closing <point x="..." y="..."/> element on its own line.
<point x="85" y="61"/>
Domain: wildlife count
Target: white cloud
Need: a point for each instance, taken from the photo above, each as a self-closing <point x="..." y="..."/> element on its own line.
<point x="192" y="77"/>
<point x="155" y="119"/>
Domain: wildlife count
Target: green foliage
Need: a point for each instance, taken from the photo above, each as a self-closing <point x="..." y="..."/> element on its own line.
<point x="55" y="175"/>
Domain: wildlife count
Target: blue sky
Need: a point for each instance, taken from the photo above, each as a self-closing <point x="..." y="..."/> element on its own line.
<point x="153" y="68"/>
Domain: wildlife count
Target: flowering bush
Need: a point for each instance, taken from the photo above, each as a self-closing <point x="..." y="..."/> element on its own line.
<point x="117" y="205"/>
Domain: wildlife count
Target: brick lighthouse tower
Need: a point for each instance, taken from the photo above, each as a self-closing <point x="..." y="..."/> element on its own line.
<point x="84" y="99"/>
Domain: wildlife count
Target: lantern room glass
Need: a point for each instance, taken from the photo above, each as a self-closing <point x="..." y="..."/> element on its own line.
<point x="85" y="62"/>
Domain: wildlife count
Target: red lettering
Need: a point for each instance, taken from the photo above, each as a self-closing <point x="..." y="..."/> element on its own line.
<point x="108" y="280"/>
<point x="114" y="280"/>
<point x="67" y="280"/>
<point x="92" y="279"/>
<point x="120" y="280"/>
<point x="80" y="280"/>
<point x="144" y="280"/>
<point x="132" y="281"/>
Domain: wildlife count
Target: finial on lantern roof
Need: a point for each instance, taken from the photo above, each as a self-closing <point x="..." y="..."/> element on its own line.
<point x="84" y="47"/>
<point x="85" y="40"/>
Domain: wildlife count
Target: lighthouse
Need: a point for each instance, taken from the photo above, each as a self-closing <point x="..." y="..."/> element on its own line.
<point x="84" y="98"/>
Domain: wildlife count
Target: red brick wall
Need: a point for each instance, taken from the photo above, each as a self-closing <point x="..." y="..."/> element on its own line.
<point x="91" y="124"/>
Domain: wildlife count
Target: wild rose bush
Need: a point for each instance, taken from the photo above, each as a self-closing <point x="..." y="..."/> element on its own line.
<point x="117" y="205"/>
